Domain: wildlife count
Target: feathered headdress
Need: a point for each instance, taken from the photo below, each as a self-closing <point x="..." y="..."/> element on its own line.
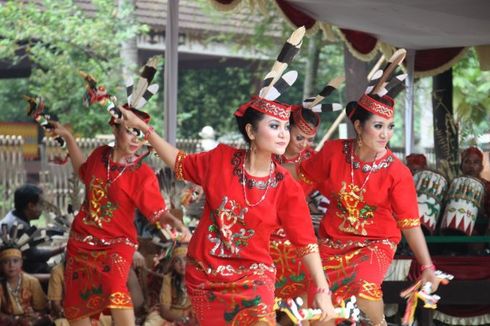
<point x="35" y="110"/>
<point x="314" y="104"/>
<point x="275" y="83"/>
<point x="383" y="85"/>
<point x="137" y="94"/>
<point x="17" y="239"/>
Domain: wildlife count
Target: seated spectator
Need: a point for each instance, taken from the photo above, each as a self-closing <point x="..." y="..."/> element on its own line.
<point x="22" y="300"/>
<point x="28" y="206"/>
<point x="55" y="294"/>
<point x="472" y="165"/>
<point x="175" y="306"/>
<point x="416" y="162"/>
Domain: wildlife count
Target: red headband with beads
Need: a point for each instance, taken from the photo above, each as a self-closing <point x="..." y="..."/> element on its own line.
<point x="376" y="107"/>
<point x="301" y="123"/>
<point x="276" y="109"/>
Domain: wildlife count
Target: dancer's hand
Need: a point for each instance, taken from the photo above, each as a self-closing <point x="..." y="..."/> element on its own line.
<point x="428" y="275"/>
<point x="59" y="129"/>
<point x="323" y="301"/>
<point x="138" y="260"/>
<point x="177" y="224"/>
<point x="131" y="120"/>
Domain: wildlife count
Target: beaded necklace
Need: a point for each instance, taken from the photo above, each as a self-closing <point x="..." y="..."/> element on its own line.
<point x="352" y="170"/>
<point x="109" y="181"/>
<point x="271" y="169"/>
<point x="15" y="292"/>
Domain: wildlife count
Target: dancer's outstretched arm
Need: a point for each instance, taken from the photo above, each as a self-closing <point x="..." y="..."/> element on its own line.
<point x="165" y="150"/>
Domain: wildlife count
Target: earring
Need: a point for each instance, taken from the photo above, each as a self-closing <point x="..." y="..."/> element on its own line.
<point x="359" y="141"/>
<point x="253" y="147"/>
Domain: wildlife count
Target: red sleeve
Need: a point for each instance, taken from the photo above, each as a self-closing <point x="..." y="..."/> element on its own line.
<point x="148" y="198"/>
<point x="93" y="157"/>
<point x="404" y="198"/>
<point x="193" y="167"/>
<point x="317" y="168"/>
<point x="294" y="217"/>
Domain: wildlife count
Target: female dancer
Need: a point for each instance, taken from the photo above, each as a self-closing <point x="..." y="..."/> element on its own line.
<point x="373" y="198"/>
<point x="103" y="237"/>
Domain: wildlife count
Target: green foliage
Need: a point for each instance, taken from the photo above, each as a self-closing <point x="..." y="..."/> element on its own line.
<point x="470" y="99"/>
<point x="60" y="39"/>
<point x="210" y="96"/>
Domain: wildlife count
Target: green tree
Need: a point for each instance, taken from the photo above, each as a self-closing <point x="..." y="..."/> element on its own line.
<point x="60" y="39"/>
<point x="209" y="96"/>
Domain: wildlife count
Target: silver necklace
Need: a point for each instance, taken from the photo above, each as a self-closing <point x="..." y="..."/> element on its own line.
<point x="109" y="181"/>
<point x="244" y="180"/>
<point x="15" y="293"/>
<point x="352" y="169"/>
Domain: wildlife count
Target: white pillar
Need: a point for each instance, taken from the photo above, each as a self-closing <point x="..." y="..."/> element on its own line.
<point x="409" y="141"/>
<point x="171" y="70"/>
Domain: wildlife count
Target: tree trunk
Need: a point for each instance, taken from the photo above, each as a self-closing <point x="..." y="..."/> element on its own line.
<point x="445" y="129"/>
<point x="356" y="72"/>
<point x="311" y="73"/>
<point x="129" y="48"/>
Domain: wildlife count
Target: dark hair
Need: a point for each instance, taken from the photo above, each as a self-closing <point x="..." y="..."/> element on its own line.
<point x="309" y="116"/>
<point x="26" y="194"/>
<point x="356" y="112"/>
<point x="251" y="116"/>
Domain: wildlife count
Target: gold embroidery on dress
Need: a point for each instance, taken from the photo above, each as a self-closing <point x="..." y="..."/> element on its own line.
<point x="406" y="223"/>
<point x="179" y="165"/>
<point x="100" y="208"/>
<point x="308" y="249"/>
<point x="356" y="214"/>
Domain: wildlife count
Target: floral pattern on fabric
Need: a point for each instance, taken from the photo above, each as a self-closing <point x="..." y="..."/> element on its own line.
<point x="229" y="232"/>
<point x="101" y="209"/>
<point x="291" y="278"/>
<point x="353" y="210"/>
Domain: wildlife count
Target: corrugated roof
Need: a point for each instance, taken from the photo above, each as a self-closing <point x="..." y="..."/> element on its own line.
<point x="194" y="16"/>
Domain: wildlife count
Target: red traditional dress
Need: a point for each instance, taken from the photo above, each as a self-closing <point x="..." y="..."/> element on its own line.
<point x="103" y="236"/>
<point x="360" y="232"/>
<point x="291" y="276"/>
<point x="230" y="274"/>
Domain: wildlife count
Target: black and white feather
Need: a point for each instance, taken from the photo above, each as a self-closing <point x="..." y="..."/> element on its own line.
<point x="274" y="91"/>
<point x="314" y="103"/>
<point x="285" y="57"/>
<point x="141" y="92"/>
<point x="378" y="84"/>
<point x="17" y="236"/>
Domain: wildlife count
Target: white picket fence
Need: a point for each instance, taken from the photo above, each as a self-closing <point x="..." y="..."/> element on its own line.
<point x="12" y="170"/>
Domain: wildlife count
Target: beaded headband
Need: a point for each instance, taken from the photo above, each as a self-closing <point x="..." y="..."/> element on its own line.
<point x="276" y="109"/>
<point x="302" y="124"/>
